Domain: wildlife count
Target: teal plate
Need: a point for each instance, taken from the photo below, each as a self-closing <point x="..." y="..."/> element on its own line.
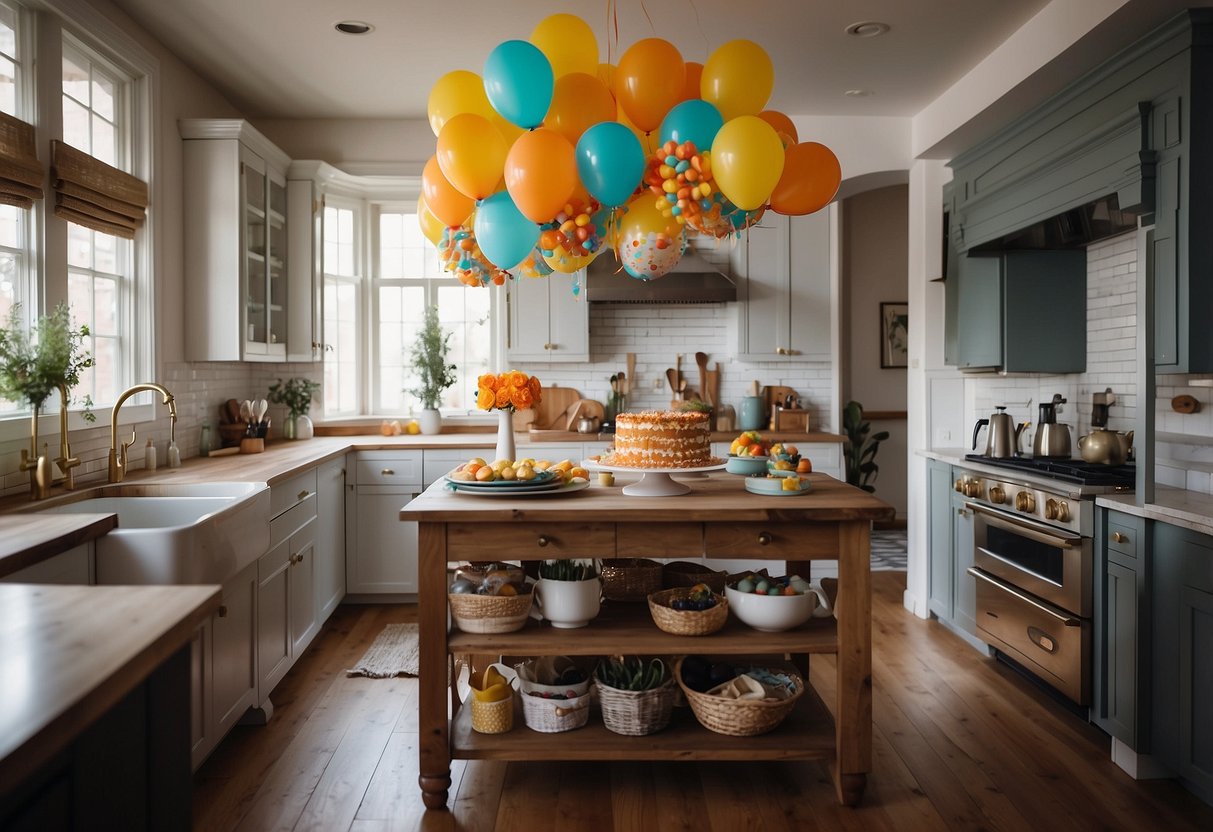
<point x="774" y="487"/>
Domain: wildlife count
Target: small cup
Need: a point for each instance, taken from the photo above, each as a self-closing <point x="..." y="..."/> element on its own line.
<point x="250" y="445"/>
<point x="606" y="478"/>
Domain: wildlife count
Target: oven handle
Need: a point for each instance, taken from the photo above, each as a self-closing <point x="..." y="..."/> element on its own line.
<point x="1066" y="620"/>
<point x="1027" y="528"/>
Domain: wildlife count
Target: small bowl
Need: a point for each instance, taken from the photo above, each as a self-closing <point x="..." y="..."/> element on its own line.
<point x="771" y="613"/>
<point x="746" y="465"/>
<point x="773" y="486"/>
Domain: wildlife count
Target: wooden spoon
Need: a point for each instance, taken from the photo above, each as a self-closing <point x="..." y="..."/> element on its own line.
<point x="701" y="358"/>
<point x="671" y="376"/>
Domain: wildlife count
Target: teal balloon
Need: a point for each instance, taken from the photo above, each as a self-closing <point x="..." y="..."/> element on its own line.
<point x="518" y="81"/>
<point x="693" y="120"/>
<point x="505" y="236"/>
<point x="610" y="162"/>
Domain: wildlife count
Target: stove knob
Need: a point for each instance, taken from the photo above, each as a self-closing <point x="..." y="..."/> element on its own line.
<point x="1063" y="511"/>
<point x="997" y="494"/>
<point x="973" y="488"/>
<point x="1051" y="509"/>
<point x="959" y="486"/>
<point x="1025" y="502"/>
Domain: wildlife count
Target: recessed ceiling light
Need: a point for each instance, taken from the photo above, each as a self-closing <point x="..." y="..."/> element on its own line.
<point x="353" y="27"/>
<point x="867" y="29"/>
<point x="858" y="93"/>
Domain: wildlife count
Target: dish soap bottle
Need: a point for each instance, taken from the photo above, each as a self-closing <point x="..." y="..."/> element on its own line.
<point x="204" y="442"/>
<point x="149" y="456"/>
<point x="174" y="455"/>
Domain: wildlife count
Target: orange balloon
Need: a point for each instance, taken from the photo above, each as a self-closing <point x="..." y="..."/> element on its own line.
<point x="431" y="226"/>
<point x="471" y="153"/>
<point x="781" y="123"/>
<point x="579" y="101"/>
<point x="691" y="88"/>
<point x="541" y="173"/>
<point x="444" y="201"/>
<point x="810" y="179"/>
<point x="606" y="74"/>
<point x="649" y="81"/>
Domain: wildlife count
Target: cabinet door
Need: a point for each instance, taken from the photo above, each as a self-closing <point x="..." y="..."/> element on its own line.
<point x="254" y="237"/>
<point x="964" y="612"/>
<point x="809" y="286"/>
<point x="302" y="582"/>
<point x="939" y="533"/>
<point x="383" y="554"/>
<point x="329" y="568"/>
<point x="763" y="315"/>
<point x="1196" y="679"/>
<point x="1045" y="312"/>
<point x="273" y="624"/>
<point x="979" y="312"/>
<point x="234" y="629"/>
<point x="276" y="262"/>
<point x="304" y="325"/>
<point x="568" y="319"/>
<point x="1119" y="653"/>
<point x="1163" y="249"/>
<point x="547" y="322"/>
<point x="202" y="737"/>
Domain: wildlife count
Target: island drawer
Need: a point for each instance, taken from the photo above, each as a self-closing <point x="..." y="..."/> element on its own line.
<point x="1124" y="531"/>
<point x="659" y="540"/>
<point x="529" y="541"/>
<point x="783" y="541"/>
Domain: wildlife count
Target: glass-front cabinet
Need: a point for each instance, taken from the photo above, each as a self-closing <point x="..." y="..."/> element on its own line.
<point x="264" y="243"/>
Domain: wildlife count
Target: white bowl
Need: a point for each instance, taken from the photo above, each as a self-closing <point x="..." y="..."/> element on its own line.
<point x="771" y="613"/>
<point x="746" y="465"/>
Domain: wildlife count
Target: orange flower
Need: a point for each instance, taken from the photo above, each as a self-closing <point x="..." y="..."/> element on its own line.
<point x="517" y="379"/>
<point x="503" y="380"/>
<point x="487" y="380"/>
<point x="485" y="398"/>
<point x="504" y="396"/>
<point x="535" y="387"/>
<point x="522" y="398"/>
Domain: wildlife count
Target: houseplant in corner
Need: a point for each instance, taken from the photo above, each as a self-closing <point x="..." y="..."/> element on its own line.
<point x="296" y="394"/>
<point x="860" y="454"/>
<point x="506" y="393"/>
<point x="433" y="373"/>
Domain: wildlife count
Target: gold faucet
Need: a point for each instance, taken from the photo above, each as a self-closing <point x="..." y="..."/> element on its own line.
<point x="38" y="465"/>
<point x="118" y="451"/>
<point x="65" y="460"/>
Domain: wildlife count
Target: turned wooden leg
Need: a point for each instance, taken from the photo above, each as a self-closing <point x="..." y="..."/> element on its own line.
<point x="434" y="790"/>
<point x="853" y="715"/>
<point x="435" y="750"/>
<point x="848" y="787"/>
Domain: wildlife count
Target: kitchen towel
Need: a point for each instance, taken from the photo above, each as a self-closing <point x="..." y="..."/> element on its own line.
<point x="394" y="652"/>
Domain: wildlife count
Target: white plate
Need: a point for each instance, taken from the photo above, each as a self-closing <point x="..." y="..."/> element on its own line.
<point x="554" y="491"/>
<point x="774" y="487"/>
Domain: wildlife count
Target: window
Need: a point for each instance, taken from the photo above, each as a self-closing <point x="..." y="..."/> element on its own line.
<point x="342" y="284"/>
<point x="16" y="279"/>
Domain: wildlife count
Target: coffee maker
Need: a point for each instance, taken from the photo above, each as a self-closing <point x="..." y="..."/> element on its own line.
<point x="1052" y="439"/>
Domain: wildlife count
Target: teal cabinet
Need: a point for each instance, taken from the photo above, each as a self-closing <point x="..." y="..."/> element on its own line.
<point x="1182" y="640"/>
<point x="964" y="591"/>
<point x="978" y="321"/>
<point x="939" y="533"/>
<point x="1121" y="689"/>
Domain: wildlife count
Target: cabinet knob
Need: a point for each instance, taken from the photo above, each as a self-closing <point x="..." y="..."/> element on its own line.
<point x="547" y="346"/>
<point x="387" y="472"/>
<point x="764" y="538"/>
<point x="1119" y="538"/>
<point x="780" y="351"/>
<point x="543" y="540"/>
<point x="303" y="495"/>
<point x="222" y="611"/>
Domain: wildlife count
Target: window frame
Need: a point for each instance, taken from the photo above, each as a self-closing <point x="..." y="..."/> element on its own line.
<point x="358" y="281"/>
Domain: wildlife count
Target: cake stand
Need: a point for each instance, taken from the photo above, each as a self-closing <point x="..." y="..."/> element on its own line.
<point x="654" y="482"/>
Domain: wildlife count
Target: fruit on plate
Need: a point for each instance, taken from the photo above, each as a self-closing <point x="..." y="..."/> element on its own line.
<point x="804" y="466"/>
<point x="749" y="443"/>
<point x="521" y="470"/>
<point x="759" y="584"/>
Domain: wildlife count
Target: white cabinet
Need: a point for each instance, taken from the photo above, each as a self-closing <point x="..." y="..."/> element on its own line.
<point x="546" y="321"/>
<point x="305" y="271"/>
<point x="235" y="243"/>
<point x="381" y="551"/>
<point x="329" y="566"/>
<point x="783" y="269"/>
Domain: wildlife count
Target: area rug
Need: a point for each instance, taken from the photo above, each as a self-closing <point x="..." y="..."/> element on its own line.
<point x="888" y="550"/>
<point x="394" y="652"/>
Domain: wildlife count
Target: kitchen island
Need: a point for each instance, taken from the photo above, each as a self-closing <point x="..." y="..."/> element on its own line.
<point x="717" y="519"/>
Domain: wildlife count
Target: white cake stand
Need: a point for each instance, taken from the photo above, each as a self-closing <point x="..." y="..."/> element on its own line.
<point x="654" y="482"/>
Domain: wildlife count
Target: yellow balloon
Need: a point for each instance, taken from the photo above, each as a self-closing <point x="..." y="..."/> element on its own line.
<point x="431" y="226"/>
<point x="747" y="161"/>
<point x="454" y="93"/>
<point x="471" y="154"/>
<point x="569" y="44"/>
<point x="606" y="74"/>
<point x="568" y="263"/>
<point x="737" y="79"/>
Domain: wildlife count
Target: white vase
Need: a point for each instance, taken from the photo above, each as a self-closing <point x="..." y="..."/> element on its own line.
<point x="430" y="421"/>
<point x="304" y="429"/>
<point x="505" y="435"/>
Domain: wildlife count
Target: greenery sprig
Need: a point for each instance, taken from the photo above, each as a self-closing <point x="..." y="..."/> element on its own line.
<point x="631" y="673"/>
<point x="33" y="364"/>
<point x="429" y="360"/>
<point x="567" y="570"/>
<point x="860" y="454"/>
<point x="295" y="393"/>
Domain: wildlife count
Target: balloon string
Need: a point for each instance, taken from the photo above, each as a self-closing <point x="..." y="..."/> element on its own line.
<point x="645" y="9"/>
<point x="699" y="25"/>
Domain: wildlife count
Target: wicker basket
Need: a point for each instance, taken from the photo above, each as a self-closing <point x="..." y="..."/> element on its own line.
<point x="739" y="717"/>
<point x="490" y="613"/>
<point x="689" y="573"/>
<point x="686" y="622"/>
<point x="635" y="713"/>
<point x="493" y="717"/>
<point x="551" y="716"/>
<point x="630" y="579"/>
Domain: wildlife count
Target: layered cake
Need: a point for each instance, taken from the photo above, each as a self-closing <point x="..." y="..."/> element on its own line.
<point x="661" y="439"/>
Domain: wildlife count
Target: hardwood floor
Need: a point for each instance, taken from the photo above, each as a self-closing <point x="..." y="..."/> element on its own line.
<point x="960" y="742"/>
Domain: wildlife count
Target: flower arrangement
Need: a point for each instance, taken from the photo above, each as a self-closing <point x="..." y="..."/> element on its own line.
<point x="32" y="369"/>
<point x="295" y="393"/>
<point x="511" y="390"/>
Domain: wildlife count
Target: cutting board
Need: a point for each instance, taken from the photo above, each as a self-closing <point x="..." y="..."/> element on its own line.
<point x="775" y="394"/>
<point x="547" y="416"/>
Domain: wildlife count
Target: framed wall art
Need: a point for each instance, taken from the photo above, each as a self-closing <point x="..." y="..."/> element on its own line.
<point x="894" y="323"/>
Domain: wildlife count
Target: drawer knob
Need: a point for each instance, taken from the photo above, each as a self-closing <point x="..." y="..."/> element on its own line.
<point x="387" y="472"/>
<point x="764" y="538"/>
<point x="222" y="611"/>
<point x="1119" y="538"/>
<point x="544" y="540"/>
<point x="302" y="495"/>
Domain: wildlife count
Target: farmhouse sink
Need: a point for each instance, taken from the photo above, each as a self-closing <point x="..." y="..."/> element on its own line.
<point x="188" y="533"/>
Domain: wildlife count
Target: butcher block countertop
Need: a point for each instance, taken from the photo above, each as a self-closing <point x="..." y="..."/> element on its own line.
<point x="72" y="652"/>
<point x="27" y="539"/>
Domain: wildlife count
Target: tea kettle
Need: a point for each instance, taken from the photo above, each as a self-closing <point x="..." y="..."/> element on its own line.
<point x="1052" y="439"/>
<point x="1106" y="446"/>
<point x="1002" y="438"/>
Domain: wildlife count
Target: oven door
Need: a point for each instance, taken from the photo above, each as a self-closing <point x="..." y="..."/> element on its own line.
<point x="1052" y="564"/>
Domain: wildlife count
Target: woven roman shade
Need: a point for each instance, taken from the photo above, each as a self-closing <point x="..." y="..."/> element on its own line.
<point x="20" y="170"/>
<point x="91" y="193"/>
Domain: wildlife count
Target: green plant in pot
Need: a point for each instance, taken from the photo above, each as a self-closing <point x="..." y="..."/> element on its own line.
<point x="296" y="394"/>
<point x="860" y="453"/>
<point x="434" y="374"/>
<point x="568" y="593"/>
<point x="631" y="673"/>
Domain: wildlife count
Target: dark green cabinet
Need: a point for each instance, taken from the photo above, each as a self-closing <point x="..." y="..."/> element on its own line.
<point x="978" y="313"/>
<point x="1121" y="689"/>
<point x="939" y="476"/>
<point x="1182" y="661"/>
<point x="964" y="590"/>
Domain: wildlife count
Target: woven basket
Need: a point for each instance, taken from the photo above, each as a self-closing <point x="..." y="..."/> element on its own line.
<point x="686" y="622"/>
<point x="490" y="613"/>
<point x="493" y="717"/>
<point x="630" y="579"/>
<point x="739" y="717"/>
<point x="689" y="573"/>
<point x="551" y="716"/>
<point x="635" y="713"/>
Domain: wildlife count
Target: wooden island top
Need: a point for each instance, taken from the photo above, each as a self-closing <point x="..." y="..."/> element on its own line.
<point x="717" y="519"/>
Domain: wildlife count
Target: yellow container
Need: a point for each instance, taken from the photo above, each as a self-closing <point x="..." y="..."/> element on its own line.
<point x="493" y="717"/>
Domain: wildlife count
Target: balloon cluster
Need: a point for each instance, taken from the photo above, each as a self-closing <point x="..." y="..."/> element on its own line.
<point x="550" y="157"/>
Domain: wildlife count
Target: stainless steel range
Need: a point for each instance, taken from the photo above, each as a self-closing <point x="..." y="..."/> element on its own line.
<point x="1033" y="526"/>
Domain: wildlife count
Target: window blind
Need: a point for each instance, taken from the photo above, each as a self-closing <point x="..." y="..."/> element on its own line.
<point x="20" y="170"/>
<point x="95" y="195"/>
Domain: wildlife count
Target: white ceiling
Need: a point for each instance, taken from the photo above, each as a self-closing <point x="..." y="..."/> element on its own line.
<point x="283" y="59"/>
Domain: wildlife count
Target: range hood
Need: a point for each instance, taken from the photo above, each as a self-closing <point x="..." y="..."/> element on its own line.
<point x="1075" y="228"/>
<point x="693" y="280"/>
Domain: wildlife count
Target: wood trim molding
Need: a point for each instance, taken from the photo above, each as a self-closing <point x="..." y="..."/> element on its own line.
<point x="884" y="415"/>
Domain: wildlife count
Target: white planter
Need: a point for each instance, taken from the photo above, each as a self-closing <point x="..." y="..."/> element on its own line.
<point x="567" y="604"/>
<point x="304" y="429"/>
<point x="430" y="422"/>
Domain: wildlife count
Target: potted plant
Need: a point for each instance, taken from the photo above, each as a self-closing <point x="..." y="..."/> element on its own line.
<point x="433" y="373"/>
<point x="296" y="394"/>
<point x="636" y="696"/>
<point x="568" y="592"/>
<point x="860" y="453"/>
